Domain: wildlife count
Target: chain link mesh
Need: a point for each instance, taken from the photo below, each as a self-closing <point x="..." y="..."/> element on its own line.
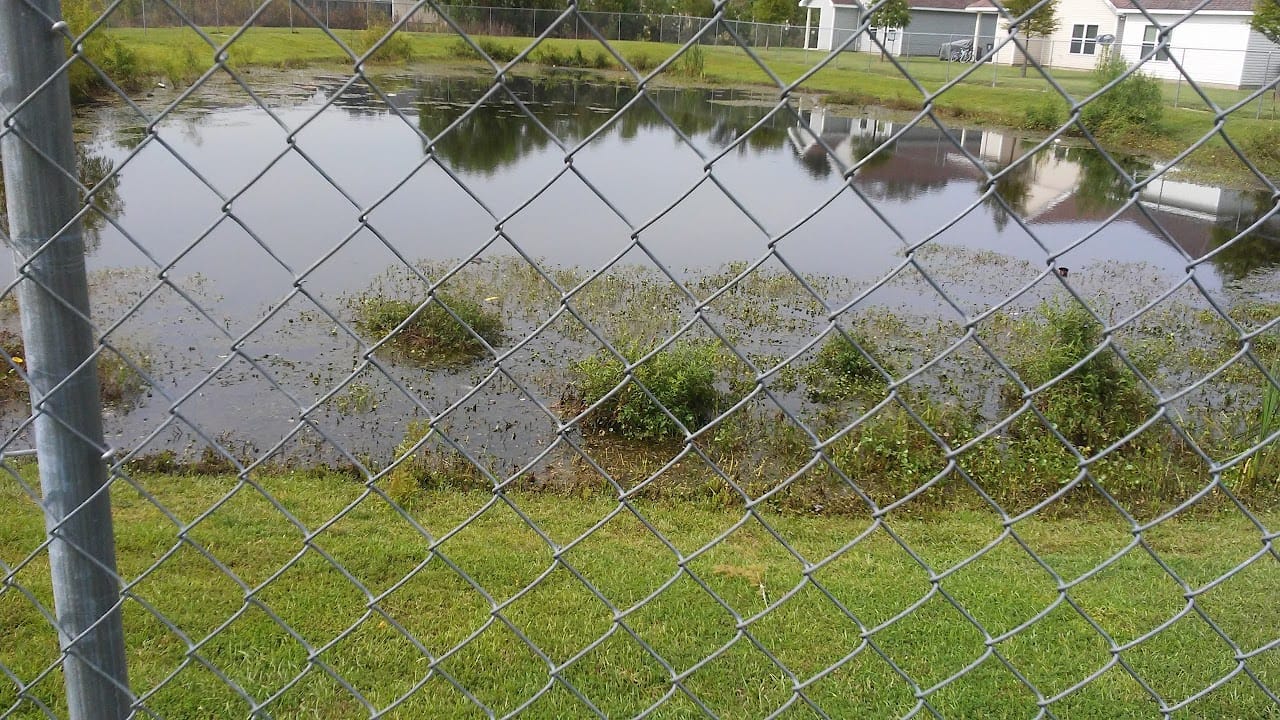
<point x="244" y="593"/>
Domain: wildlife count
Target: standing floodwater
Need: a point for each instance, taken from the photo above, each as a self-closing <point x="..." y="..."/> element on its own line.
<point x="292" y="213"/>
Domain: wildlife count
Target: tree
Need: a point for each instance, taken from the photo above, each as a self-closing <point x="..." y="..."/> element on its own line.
<point x="892" y="14"/>
<point x="1266" y="19"/>
<point x="1040" y="24"/>
<point x="773" y="11"/>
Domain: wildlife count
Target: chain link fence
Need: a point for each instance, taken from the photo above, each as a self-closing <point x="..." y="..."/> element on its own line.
<point x="426" y="394"/>
<point x="503" y="21"/>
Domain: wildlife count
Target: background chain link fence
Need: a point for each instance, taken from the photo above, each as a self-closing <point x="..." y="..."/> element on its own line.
<point x="317" y="447"/>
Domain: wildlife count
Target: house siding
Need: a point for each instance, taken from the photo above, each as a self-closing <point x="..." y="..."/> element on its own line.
<point x="1261" y="62"/>
<point x="835" y="23"/>
<point x="987" y="27"/>
<point x="1057" y="47"/>
<point x="1210" y="47"/>
<point x="930" y="29"/>
<point x="1055" y="50"/>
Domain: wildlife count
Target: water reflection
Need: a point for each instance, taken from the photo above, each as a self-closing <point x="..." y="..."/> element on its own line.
<point x="498" y="133"/>
<point x="94" y="170"/>
<point x="1258" y="248"/>
<point x="316" y="210"/>
<point x="1060" y="184"/>
<point x="503" y="150"/>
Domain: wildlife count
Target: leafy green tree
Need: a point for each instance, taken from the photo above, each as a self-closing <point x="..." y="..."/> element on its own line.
<point x="1266" y="19"/>
<point x="1041" y="24"/>
<point x="893" y="14"/>
<point x="772" y="11"/>
<point x="694" y="8"/>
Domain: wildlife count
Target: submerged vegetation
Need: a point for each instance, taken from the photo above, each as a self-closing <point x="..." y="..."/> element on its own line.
<point x="680" y="377"/>
<point x="844" y="368"/>
<point x="831" y="430"/>
<point x="1087" y="395"/>
<point x="119" y="383"/>
<point x="447" y="330"/>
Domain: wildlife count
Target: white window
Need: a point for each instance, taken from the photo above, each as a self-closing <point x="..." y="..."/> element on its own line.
<point x="1150" y="36"/>
<point x="1084" y="40"/>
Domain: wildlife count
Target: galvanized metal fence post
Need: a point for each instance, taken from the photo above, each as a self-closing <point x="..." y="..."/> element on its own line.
<point x="53" y="296"/>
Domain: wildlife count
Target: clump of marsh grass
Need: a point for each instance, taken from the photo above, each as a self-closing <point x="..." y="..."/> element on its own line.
<point x="429" y="335"/>
<point x="682" y="377"/>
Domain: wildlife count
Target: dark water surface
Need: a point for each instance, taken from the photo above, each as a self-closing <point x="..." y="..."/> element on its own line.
<point x="498" y="184"/>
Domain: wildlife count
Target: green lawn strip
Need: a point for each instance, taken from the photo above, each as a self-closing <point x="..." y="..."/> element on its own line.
<point x="875" y="580"/>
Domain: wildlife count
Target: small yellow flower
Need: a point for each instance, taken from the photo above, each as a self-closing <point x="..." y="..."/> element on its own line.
<point x="17" y="360"/>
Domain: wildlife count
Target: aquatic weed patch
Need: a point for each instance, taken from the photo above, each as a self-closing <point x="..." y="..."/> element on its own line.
<point x="674" y="385"/>
<point x="446" y="331"/>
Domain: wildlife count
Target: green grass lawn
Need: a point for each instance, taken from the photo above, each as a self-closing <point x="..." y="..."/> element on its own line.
<point x="618" y="644"/>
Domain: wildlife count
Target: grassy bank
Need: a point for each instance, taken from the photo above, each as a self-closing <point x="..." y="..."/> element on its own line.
<point x="1012" y="445"/>
<point x="852" y="79"/>
<point x="748" y="570"/>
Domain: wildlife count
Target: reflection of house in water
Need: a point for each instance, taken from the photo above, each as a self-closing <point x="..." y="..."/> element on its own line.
<point x="1058" y="185"/>
<point x="922" y="157"/>
<point x="1051" y="179"/>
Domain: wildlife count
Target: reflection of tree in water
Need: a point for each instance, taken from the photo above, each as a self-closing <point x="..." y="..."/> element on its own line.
<point x="1014" y="187"/>
<point x="1257" y="250"/>
<point x="1101" y="188"/>
<point x="498" y="133"/>
<point x="93" y="170"/>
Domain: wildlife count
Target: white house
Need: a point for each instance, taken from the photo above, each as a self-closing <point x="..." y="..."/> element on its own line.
<point x="1215" y="44"/>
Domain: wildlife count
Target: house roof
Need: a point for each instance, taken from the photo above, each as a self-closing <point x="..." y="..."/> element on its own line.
<point x="925" y="4"/>
<point x="1186" y="5"/>
<point x="940" y="4"/>
<point x="1121" y="5"/>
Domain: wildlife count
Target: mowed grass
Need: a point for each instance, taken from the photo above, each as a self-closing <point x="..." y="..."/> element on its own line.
<point x="290" y="629"/>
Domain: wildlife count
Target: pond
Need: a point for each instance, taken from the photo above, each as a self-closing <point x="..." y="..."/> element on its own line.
<point x="266" y="223"/>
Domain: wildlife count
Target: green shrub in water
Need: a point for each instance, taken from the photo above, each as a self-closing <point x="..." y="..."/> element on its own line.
<point x="642" y="62"/>
<point x="1100" y="401"/>
<point x="432" y="338"/>
<point x="550" y="55"/>
<point x="682" y="377"/>
<point x="692" y="64"/>
<point x="500" y="52"/>
<point x="841" y="371"/>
